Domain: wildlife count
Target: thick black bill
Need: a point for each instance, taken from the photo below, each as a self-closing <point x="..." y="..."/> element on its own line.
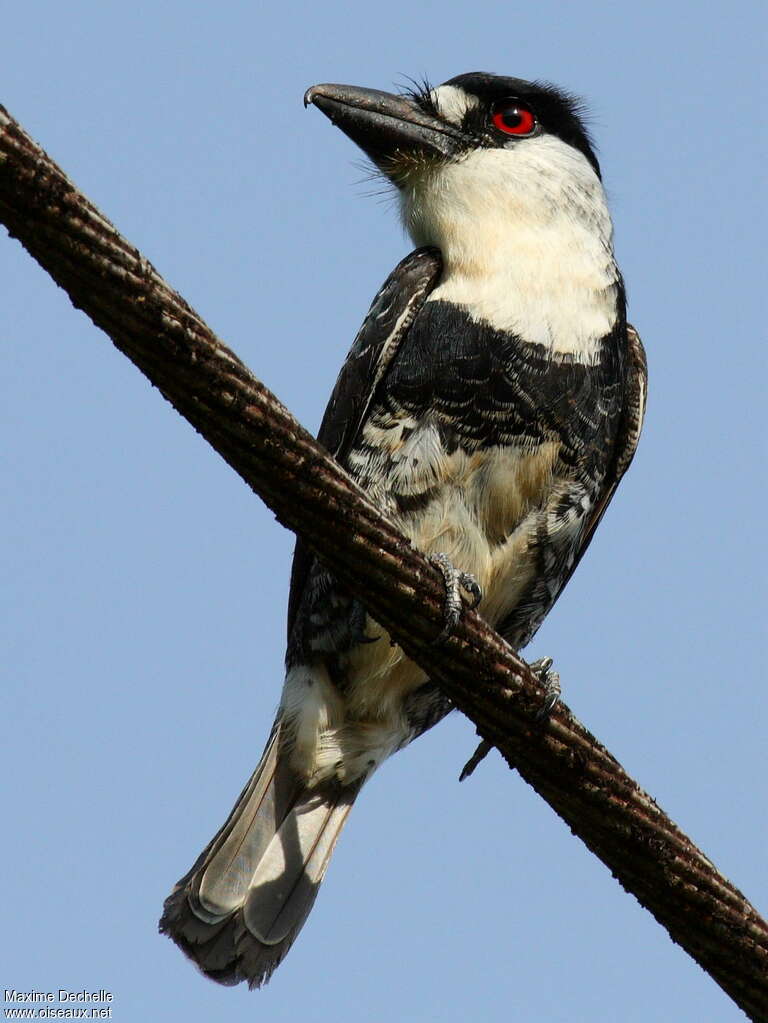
<point x="389" y="129"/>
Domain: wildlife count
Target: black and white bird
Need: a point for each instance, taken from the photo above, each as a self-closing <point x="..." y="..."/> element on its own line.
<point x="490" y="404"/>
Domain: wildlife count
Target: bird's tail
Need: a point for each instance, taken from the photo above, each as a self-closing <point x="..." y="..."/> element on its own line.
<point x="238" y="910"/>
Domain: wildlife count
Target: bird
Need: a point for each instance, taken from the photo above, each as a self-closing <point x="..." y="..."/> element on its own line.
<point x="490" y="404"/>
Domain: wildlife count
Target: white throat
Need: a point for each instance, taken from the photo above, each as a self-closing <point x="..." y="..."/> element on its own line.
<point x="526" y="239"/>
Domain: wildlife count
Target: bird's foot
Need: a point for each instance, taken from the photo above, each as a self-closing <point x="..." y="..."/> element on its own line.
<point x="542" y="669"/>
<point x="482" y="751"/>
<point x="455" y="582"/>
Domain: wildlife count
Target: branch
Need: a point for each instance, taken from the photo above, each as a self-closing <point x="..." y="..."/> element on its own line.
<point x="150" y="323"/>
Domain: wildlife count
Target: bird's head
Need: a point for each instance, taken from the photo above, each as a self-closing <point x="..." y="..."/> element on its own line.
<point x="408" y="135"/>
<point x="479" y="146"/>
<point x="501" y="176"/>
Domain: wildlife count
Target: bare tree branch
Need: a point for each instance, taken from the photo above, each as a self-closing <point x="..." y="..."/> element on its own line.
<point x="123" y="294"/>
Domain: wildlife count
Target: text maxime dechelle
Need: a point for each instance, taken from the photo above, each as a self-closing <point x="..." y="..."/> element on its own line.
<point x="82" y="1004"/>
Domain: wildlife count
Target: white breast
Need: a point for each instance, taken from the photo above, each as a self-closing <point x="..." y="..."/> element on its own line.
<point x="526" y="239"/>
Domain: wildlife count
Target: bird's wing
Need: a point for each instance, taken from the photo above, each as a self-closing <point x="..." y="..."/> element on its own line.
<point x="630" y="425"/>
<point x="628" y="436"/>
<point x="392" y="312"/>
<point x="569" y="539"/>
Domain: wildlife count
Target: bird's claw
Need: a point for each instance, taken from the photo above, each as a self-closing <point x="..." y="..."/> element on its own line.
<point x="482" y="751"/>
<point x="550" y="680"/>
<point x="455" y="582"/>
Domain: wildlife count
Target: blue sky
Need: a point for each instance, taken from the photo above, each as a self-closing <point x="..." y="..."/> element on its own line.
<point x="145" y="587"/>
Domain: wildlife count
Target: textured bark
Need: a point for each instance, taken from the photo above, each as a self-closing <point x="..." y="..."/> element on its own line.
<point x="123" y="294"/>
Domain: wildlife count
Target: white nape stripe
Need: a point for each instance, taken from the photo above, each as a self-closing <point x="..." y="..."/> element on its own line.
<point x="526" y="239"/>
<point x="453" y="103"/>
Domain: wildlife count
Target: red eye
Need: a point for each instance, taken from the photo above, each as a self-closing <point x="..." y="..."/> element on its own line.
<point x="513" y="118"/>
